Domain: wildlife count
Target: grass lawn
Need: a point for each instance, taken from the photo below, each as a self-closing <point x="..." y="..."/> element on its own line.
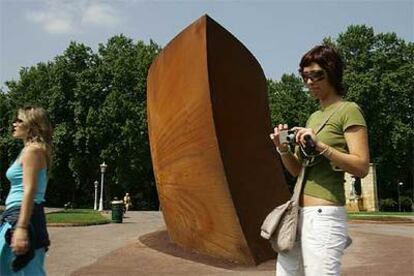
<point x="385" y="216"/>
<point x="77" y="217"/>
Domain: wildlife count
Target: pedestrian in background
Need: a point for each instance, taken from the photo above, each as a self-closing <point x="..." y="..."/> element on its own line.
<point x="127" y="202"/>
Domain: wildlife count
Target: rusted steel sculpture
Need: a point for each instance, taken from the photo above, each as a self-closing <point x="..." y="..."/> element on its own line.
<point x="217" y="173"/>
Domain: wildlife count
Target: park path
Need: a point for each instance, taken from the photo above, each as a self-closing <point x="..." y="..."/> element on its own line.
<point x="115" y="249"/>
<point x="75" y="247"/>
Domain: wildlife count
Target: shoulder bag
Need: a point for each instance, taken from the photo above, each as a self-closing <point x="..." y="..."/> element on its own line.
<point x="280" y="226"/>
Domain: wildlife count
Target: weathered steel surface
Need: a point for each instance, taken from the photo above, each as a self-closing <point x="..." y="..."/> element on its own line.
<point x="216" y="169"/>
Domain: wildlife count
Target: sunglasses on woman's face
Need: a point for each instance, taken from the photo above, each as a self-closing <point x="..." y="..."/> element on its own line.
<point x="17" y="120"/>
<point x="314" y="76"/>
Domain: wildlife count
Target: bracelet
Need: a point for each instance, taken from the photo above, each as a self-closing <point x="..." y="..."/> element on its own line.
<point x="282" y="152"/>
<point x="324" y="150"/>
<point x="328" y="151"/>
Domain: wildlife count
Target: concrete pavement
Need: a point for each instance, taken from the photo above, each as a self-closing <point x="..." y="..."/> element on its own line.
<point x="75" y="247"/>
<point x="140" y="246"/>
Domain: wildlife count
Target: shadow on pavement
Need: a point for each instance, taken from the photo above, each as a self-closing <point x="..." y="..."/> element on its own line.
<point x="160" y="241"/>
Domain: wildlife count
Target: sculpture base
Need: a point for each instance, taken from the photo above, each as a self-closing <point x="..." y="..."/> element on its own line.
<point x="355" y="205"/>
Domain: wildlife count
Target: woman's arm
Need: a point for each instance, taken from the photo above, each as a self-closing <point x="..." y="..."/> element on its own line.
<point x="289" y="160"/>
<point x="356" y="162"/>
<point x="33" y="161"/>
<point x="291" y="163"/>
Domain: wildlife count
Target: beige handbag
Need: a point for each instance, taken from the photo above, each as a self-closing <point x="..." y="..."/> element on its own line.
<point x="280" y="226"/>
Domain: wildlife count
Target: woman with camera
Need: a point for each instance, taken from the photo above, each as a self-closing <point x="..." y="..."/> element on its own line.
<point x="23" y="234"/>
<point x="340" y="146"/>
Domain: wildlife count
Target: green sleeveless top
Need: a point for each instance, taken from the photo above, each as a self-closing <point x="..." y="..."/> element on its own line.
<point x="324" y="180"/>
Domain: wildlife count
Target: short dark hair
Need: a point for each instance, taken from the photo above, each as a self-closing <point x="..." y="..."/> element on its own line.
<point x="330" y="60"/>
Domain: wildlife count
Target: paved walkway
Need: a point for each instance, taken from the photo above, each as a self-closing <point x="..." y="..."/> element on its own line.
<point x="140" y="246"/>
<point x="75" y="247"/>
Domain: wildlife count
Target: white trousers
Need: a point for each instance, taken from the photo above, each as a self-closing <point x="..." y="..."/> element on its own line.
<point x="321" y="240"/>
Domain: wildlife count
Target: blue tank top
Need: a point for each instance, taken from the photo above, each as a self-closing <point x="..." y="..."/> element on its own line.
<point x="15" y="175"/>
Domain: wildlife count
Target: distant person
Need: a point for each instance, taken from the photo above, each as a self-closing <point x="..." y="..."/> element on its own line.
<point x="341" y="146"/>
<point x="356" y="181"/>
<point x="127" y="202"/>
<point x="23" y="234"/>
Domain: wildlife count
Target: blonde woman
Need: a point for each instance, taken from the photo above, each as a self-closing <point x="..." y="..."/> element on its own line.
<point x="23" y="234"/>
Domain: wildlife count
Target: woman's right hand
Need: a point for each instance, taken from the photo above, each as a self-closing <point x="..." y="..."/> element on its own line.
<point x="275" y="137"/>
<point x="20" y="241"/>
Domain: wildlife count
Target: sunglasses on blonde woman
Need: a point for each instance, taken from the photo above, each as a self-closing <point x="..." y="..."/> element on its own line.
<point x="314" y="76"/>
<point x="17" y="120"/>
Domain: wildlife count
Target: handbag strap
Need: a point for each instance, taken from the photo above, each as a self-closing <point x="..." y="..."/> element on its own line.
<point x="301" y="178"/>
<point x="337" y="109"/>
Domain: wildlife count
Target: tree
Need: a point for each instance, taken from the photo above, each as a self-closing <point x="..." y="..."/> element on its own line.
<point x="379" y="78"/>
<point x="291" y="104"/>
<point x="289" y="101"/>
<point x="96" y="102"/>
<point x="6" y="143"/>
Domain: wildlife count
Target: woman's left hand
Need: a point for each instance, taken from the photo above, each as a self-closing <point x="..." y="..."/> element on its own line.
<point x="20" y="241"/>
<point x="301" y="132"/>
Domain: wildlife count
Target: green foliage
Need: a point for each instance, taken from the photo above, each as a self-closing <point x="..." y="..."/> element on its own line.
<point x="379" y="77"/>
<point x="406" y="204"/>
<point x="377" y="214"/>
<point x="97" y="104"/>
<point x="289" y="104"/>
<point x="405" y="216"/>
<point x="77" y="217"/>
<point x="388" y="205"/>
<point x="289" y="101"/>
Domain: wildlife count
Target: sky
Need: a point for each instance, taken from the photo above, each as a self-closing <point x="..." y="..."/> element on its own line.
<point x="276" y="32"/>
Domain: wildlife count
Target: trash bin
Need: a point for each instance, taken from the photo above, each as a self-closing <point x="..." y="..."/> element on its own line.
<point x="117" y="211"/>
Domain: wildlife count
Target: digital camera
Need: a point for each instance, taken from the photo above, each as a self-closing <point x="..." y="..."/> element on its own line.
<point x="289" y="137"/>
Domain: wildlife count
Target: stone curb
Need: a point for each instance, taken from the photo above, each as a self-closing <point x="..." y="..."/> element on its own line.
<point x="76" y="224"/>
<point x="381" y="221"/>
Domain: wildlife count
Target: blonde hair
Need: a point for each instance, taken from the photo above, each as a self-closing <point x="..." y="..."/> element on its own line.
<point x="39" y="130"/>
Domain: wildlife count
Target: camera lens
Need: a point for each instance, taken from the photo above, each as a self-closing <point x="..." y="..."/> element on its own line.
<point x="291" y="136"/>
<point x="310" y="147"/>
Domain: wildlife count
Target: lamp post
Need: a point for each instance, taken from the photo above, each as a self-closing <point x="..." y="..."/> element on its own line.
<point x="95" y="200"/>
<point x="399" y="198"/>
<point x="103" y="168"/>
